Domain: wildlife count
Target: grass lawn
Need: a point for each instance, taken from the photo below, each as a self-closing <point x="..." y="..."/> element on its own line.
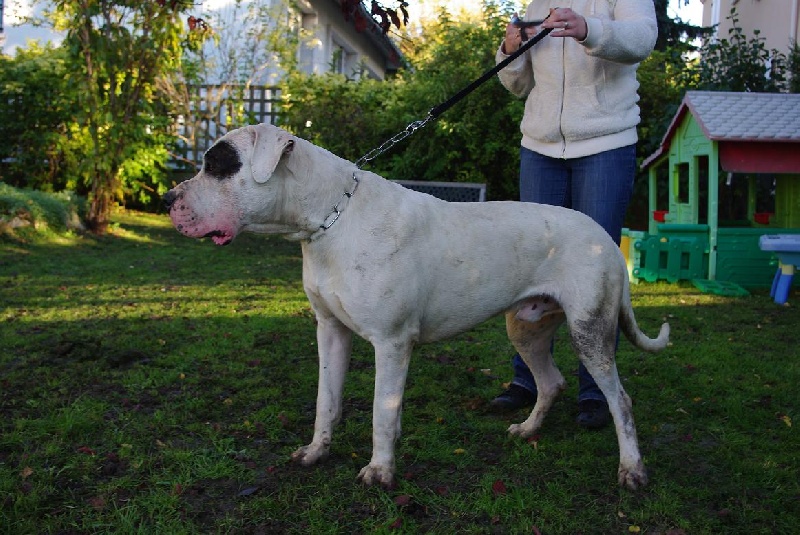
<point x="154" y="384"/>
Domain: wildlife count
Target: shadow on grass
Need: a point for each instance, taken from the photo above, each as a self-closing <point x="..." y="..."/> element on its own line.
<point x="154" y="383"/>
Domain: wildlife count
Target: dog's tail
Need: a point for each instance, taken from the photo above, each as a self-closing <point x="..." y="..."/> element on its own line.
<point x="628" y="325"/>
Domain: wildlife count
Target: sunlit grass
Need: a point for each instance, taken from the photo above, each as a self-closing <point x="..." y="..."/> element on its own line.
<point x="154" y="384"/>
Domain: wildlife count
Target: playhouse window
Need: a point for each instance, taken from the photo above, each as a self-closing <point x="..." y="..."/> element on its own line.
<point x="732" y="198"/>
<point x="765" y="193"/>
<point x="739" y="194"/>
<point x="702" y="187"/>
<point x="683" y="183"/>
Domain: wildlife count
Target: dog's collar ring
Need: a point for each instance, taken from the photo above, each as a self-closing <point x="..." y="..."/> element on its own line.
<point x="331" y="218"/>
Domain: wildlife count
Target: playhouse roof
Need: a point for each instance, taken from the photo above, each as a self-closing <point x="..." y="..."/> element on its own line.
<point x="750" y="128"/>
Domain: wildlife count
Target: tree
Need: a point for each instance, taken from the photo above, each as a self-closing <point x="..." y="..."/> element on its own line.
<point x="36" y="106"/>
<point x="117" y="50"/>
<point x="675" y="33"/>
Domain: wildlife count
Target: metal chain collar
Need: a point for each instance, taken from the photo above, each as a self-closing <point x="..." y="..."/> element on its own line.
<point x="332" y="217"/>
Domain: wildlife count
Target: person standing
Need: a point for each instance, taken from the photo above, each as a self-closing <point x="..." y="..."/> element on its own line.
<point x="578" y="147"/>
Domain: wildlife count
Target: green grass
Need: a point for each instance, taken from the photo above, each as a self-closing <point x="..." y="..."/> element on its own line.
<point x="154" y="384"/>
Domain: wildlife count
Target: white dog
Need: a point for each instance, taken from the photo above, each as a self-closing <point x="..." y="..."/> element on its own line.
<point x="400" y="268"/>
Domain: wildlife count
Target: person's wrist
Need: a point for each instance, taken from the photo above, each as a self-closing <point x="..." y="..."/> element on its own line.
<point x="585" y="29"/>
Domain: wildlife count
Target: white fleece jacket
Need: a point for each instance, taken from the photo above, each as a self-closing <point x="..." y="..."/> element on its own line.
<point x="581" y="97"/>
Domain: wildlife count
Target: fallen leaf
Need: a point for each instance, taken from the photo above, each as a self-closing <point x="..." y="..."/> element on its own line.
<point x="86" y="449"/>
<point x="98" y="503"/>
<point x="634" y="529"/>
<point x="26" y="472"/>
<point x="249" y="491"/>
<point x="787" y="420"/>
<point x="397" y="524"/>
<point x="499" y="488"/>
<point x="402" y="500"/>
<point x="459" y="451"/>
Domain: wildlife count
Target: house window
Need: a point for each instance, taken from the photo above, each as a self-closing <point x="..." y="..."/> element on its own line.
<point x="337" y="59"/>
<point x="343" y="57"/>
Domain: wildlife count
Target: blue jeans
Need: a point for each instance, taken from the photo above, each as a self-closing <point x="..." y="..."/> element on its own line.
<point x="600" y="186"/>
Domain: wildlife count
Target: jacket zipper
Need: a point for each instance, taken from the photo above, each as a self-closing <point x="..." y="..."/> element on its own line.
<point x="563" y="89"/>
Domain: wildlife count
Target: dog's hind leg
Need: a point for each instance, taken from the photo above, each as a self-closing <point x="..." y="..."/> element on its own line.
<point x="595" y="342"/>
<point x="531" y="330"/>
<point x="334" y="342"/>
<point x="391" y="369"/>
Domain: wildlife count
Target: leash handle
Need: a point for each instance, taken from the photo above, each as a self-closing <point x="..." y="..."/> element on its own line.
<point x="449" y="103"/>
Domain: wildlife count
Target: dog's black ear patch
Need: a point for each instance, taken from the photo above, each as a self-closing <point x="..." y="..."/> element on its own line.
<point x="222" y="160"/>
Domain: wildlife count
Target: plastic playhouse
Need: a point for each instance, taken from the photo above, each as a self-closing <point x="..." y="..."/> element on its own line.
<point x="727" y="173"/>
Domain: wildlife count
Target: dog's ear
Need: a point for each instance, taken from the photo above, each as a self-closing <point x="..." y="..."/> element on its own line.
<point x="270" y="143"/>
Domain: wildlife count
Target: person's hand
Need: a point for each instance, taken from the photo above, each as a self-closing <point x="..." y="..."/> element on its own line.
<point x="513" y="39"/>
<point x="565" y="23"/>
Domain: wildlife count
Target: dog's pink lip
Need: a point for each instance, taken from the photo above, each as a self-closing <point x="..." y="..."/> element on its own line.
<point x="219" y="237"/>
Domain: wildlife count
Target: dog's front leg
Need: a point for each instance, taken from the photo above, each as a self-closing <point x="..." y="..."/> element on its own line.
<point x="335" y="344"/>
<point x="391" y="369"/>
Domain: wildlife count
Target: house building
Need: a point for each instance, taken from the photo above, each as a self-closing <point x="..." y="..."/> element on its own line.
<point x="339" y="46"/>
<point x="775" y="20"/>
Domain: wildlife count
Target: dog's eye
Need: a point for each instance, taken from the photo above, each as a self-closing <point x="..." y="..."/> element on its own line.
<point x="222" y="161"/>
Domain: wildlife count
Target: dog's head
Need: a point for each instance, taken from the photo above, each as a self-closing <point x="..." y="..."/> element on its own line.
<point x="231" y="186"/>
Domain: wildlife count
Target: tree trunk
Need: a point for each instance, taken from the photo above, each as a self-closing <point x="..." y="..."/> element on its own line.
<point x="101" y="198"/>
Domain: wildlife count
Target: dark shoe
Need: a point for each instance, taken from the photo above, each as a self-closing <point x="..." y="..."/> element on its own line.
<point x="593" y="414"/>
<point x="515" y="397"/>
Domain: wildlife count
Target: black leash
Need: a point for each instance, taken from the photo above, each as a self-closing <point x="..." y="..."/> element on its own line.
<point x="436" y="111"/>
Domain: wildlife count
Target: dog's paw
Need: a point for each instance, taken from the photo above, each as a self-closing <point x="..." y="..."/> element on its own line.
<point x="311" y="454"/>
<point x="377" y="475"/>
<point x="632" y="478"/>
<point x="521" y="430"/>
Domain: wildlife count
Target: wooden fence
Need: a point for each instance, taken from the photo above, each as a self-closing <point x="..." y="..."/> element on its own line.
<point x="216" y="109"/>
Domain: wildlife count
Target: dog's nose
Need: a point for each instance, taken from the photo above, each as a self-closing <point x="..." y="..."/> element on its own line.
<point x="169" y="199"/>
